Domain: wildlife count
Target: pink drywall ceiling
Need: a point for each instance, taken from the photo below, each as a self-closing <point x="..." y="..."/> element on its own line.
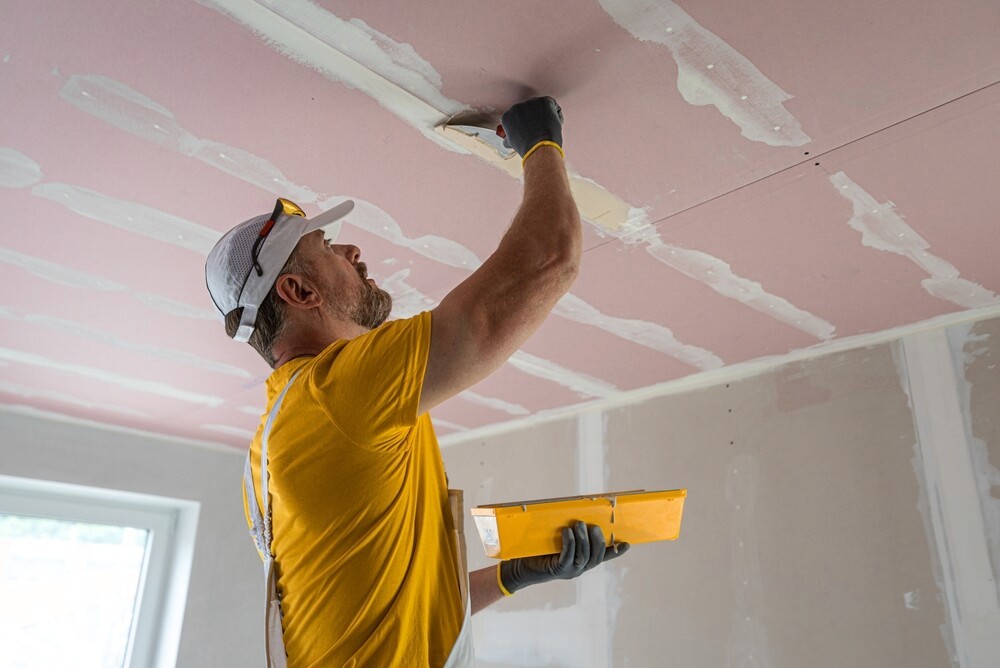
<point x="133" y="135"/>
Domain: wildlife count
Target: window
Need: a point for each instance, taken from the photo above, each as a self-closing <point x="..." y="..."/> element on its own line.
<point x="90" y="577"/>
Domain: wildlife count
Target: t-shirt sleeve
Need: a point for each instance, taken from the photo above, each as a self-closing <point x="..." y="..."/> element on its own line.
<point x="370" y="387"/>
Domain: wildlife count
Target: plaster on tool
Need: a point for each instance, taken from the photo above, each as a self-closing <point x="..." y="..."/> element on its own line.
<point x="478" y="133"/>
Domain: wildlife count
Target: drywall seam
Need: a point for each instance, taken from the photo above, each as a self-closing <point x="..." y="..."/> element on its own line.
<point x="65" y="398"/>
<point x="952" y="493"/>
<point x="230" y="431"/>
<point x="746" y="645"/>
<point x="710" y="72"/>
<point x="449" y="425"/>
<point x="93" y="373"/>
<point x="110" y="339"/>
<point x="731" y="373"/>
<point x="493" y="403"/>
<point x="883" y="229"/>
<point x="392" y="74"/>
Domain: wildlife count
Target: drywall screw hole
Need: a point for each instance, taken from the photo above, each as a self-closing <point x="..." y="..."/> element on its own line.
<point x="732" y="442"/>
<point x="817" y="164"/>
<point x="730" y="410"/>
<point x="806" y="153"/>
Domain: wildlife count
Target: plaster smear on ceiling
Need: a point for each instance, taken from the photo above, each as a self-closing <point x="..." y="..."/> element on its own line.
<point x="391" y="73"/>
<point x="136" y="384"/>
<point x="17" y="170"/>
<point x="110" y="339"/>
<point x="710" y="72"/>
<point x="883" y="229"/>
<point x="57" y="273"/>
<point x="64" y="398"/>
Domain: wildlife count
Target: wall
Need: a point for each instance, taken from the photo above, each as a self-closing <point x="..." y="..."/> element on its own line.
<point x="809" y="536"/>
<point x="225" y="596"/>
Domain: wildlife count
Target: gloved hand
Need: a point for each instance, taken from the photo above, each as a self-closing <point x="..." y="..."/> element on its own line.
<point x="532" y="121"/>
<point x="583" y="548"/>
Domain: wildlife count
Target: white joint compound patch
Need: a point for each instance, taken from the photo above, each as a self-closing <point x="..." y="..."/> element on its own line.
<point x="107" y="338"/>
<point x="883" y="229"/>
<point x="17" y="170"/>
<point x="56" y="273"/>
<point x="494" y="403"/>
<point x="174" y="307"/>
<point x="351" y="52"/>
<point x="584" y="385"/>
<point x="63" y="398"/>
<point x="710" y="72"/>
<point x="648" y="334"/>
<point x="130" y="216"/>
<point x="127" y="382"/>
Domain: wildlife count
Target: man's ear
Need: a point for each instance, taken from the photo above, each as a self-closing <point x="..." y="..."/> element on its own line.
<point x="297" y="291"/>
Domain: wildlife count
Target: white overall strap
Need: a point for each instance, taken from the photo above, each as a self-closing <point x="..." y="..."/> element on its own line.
<point x="274" y="646"/>
<point x="462" y="653"/>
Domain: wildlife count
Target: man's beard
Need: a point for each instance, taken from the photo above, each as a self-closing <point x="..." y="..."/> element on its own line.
<point x="372" y="306"/>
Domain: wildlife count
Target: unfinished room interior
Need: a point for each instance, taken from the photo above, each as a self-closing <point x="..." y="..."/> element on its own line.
<point x="787" y="304"/>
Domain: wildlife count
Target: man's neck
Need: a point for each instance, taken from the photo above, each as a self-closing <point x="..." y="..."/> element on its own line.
<point x="310" y="344"/>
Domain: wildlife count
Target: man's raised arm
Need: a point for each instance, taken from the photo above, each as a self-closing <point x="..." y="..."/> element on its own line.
<point x="486" y="318"/>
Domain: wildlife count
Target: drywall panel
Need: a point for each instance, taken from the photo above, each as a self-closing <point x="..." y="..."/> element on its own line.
<point x="802" y="526"/>
<point x="223" y="618"/>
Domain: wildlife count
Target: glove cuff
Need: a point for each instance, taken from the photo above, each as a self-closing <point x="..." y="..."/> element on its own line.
<point x="538" y="146"/>
<point x="500" y="582"/>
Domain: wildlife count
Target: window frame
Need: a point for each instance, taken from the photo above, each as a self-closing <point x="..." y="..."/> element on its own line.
<point x="154" y="636"/>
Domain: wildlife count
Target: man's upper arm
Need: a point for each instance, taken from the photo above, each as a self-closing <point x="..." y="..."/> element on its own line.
<point x="484" y="320"/>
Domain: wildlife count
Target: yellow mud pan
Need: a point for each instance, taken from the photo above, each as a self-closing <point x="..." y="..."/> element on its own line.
<point x="529" y="528"/>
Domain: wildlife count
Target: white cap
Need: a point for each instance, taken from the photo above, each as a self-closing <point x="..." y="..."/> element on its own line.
<point x="232" y="279"/>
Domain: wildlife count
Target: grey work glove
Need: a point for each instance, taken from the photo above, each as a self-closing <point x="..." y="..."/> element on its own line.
<point x="530" y="122"/>
<point x="583" y="548"/>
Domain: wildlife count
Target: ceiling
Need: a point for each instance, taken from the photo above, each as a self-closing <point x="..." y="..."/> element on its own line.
<point x="757" y="178"/>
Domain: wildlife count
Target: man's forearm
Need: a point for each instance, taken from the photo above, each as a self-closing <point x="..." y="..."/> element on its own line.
<point x="484" y="588"/>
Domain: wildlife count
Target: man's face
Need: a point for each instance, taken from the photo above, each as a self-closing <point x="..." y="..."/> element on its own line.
<point x="348" y="293"/>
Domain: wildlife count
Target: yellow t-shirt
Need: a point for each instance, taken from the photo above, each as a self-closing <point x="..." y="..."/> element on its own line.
<point x="359" y="501"/>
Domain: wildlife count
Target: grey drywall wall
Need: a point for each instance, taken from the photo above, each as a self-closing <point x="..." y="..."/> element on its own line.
<point x="805" y="540"/>
<point x="223" y="617"/>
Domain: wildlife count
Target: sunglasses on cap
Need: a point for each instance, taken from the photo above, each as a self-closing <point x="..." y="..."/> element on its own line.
<point x="282" y="206"/>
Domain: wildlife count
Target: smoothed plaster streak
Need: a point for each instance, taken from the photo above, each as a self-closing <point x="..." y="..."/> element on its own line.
<point x="17" y="170"/>
<point x="883" y="229"/>
<point x="56" y="273"/>
<point x="946" y="465"/>
<point x="710" y="72"/>
<point x="93" y="373"/>
<point x="64" y="398"/>
<point x="110" y="339"/>
<point x="174" y="307"/>
<point x="130" y="216"/>
<point x="494" y="403"/>
<point x="449" y="425"/>
<point x="353" y="53"/>
<point x="584" y="385"/>
<point x="642" y="332"/>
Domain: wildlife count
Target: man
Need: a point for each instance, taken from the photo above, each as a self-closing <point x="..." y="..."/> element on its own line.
<point x="350" y="510"/>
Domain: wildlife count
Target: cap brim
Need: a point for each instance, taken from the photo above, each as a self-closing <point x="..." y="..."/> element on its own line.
<point x="331" y="215"/>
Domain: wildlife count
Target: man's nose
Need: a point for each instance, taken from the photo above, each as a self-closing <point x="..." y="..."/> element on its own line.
<point x="352" y="253"/>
